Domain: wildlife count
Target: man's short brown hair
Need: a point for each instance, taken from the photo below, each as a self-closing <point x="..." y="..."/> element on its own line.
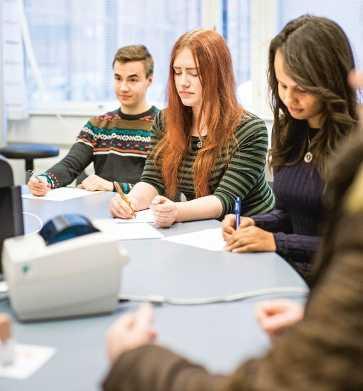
<point x="135" y="53"/>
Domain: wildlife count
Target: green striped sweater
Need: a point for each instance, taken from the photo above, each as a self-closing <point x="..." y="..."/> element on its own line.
<point x="242" y="175"/>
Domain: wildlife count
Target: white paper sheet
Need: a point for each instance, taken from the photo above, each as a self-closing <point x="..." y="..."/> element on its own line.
<point x="28" y="359"/>
<point x="208" y="239"/>
<point x="127" y="231"/>
<point x="143" y="216"/>
<point x="61" y="194"/>
<point x="3" y="287"/>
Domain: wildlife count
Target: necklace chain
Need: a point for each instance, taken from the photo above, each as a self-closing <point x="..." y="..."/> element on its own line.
<point x="308" y="157"/>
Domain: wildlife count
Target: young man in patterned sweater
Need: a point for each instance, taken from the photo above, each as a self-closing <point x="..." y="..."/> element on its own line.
<point x="117" y="142"/>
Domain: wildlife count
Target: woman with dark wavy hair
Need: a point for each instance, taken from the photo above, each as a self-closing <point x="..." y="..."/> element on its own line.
<point x="204" y="145"/>
<point x="314" y="109"/>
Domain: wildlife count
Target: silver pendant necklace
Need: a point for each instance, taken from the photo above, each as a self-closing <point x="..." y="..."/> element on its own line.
<point x="308" y="157"/>
<point x="199" y="133"/>
<point x="200" y="141"/>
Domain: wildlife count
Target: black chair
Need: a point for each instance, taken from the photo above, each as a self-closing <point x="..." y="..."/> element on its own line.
<point x="29" y="152"/>
<point x="6" y="173"/>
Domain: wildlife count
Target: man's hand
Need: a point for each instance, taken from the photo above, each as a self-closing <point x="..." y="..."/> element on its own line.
<point x="37" y="187"/>
<point x="96" y="183"/>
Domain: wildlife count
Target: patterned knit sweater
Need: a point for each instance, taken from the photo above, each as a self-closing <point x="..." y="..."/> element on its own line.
<point x="241" y="175"/>
<point x="297" y="217"/>
<point x="115" y="142"/>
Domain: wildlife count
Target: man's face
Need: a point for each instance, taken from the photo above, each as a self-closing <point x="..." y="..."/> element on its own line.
<point x="131" y="83"/>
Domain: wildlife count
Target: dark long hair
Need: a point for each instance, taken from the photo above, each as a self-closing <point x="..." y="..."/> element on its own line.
<point x="341" y="175"/>
<point x="318" y="57"/>
<point x="219" y="107"/>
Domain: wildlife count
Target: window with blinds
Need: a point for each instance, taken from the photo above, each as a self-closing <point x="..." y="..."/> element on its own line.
<point x="348" y="14"/>
<point x="74" y="43"/>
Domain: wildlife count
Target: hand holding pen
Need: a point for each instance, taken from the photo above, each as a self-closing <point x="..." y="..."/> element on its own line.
<point x="37" y="186"/>
<point x="234" y="222"/>
<point x="237" y="211"/>
<point x="123" y="209"/>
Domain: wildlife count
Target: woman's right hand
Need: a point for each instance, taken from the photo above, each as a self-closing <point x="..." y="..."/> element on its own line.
<point x="37" y="187"/>
<point x="276" y="316"/>
<point x="229" y="225"/>
<point x="119" y="208"/>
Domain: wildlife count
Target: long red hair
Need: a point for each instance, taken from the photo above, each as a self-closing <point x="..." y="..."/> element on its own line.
<point x="220" y="111"/>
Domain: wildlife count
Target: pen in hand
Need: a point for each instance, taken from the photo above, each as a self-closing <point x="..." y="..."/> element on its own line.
<point x="123" y="197"/>
<point x="30" y="174"/>
<point x="237" y="211"/>
<point x="38" y="178"/>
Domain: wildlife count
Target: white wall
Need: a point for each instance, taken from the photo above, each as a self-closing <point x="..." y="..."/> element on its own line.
<point x="2" y="102"/>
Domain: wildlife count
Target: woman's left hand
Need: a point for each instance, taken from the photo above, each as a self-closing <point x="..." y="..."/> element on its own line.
<point x="251" y="239"/>
<point x="229" y="225"/>
<point x="130" y="332"/>
<point x="165" y="211"/>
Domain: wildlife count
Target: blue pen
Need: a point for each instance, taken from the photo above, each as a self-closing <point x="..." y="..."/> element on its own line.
<point x="237" y="211"/>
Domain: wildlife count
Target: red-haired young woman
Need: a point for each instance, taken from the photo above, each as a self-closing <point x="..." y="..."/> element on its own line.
<point x="204" y="145"/>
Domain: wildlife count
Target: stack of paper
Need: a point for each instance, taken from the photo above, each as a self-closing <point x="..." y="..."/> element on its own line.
<point x="28" y="359"/>
<point x="143" y="216"/>
<point x="208" y="239"/>
<point x="128" y="229"/>
<point x="61" y="194"/>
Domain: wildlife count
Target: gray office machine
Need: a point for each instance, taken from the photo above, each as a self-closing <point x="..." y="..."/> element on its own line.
<point x="78" y="276"/>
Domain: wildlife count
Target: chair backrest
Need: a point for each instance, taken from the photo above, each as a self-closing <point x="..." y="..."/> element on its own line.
<point x="11" y="212"/>
<point x="6" y="173"/>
